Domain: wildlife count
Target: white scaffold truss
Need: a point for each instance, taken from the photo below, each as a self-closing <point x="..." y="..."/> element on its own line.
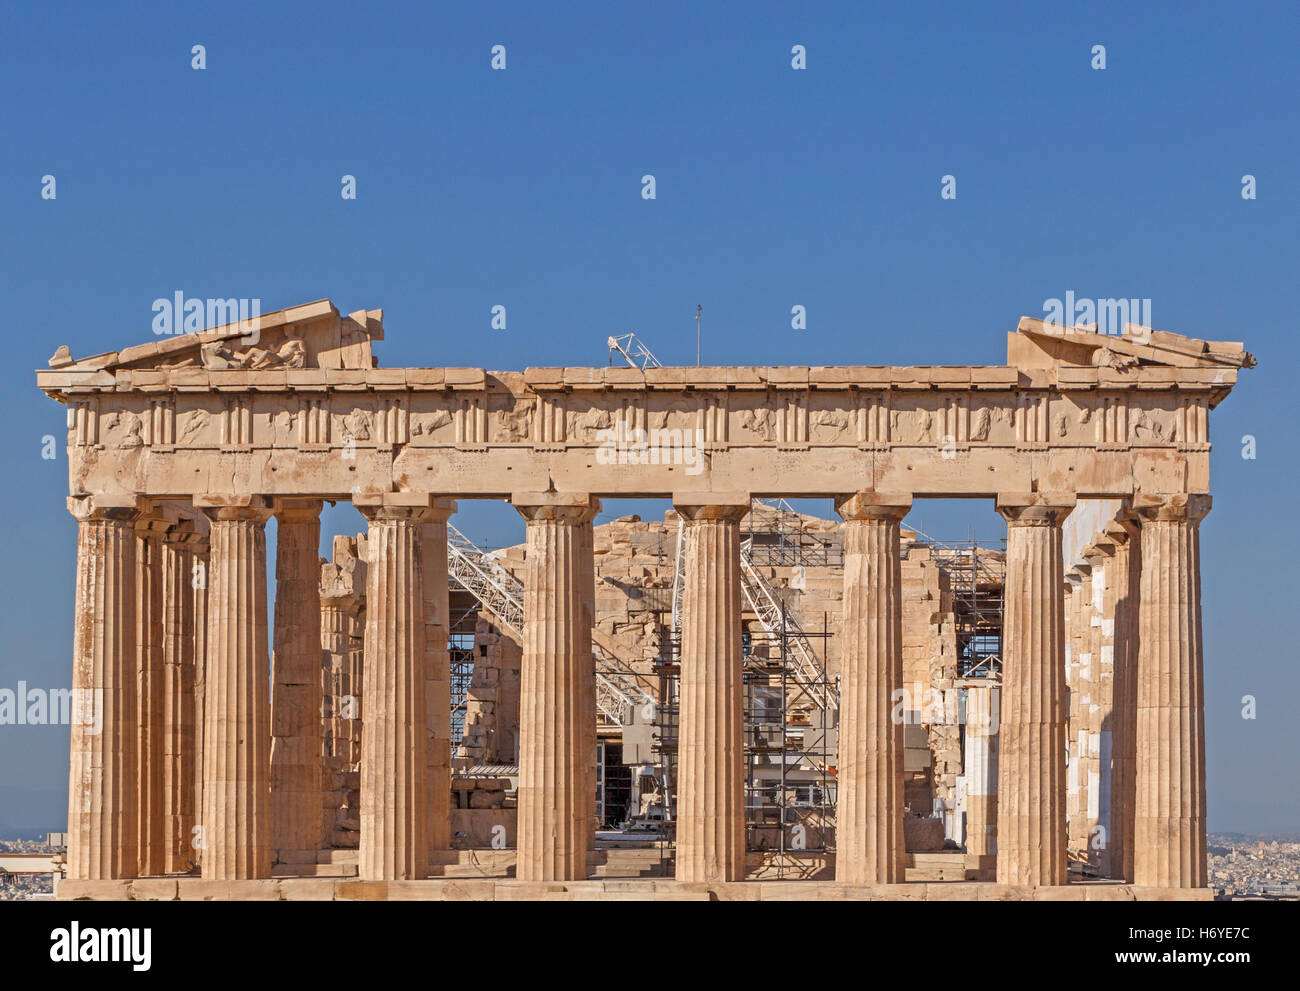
<point x="633" y="351"/>
<point x="618" y="690"/>
<point x="809" y="683"/>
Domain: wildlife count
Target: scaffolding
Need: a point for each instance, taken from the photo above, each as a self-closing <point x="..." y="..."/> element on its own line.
<point x="460" y="651"/>
<point x="789" y="751"/>
<point x="618" y="687"/>
<point x="791" y="706"/>
<point x="975" y="574"/>
<point x="779" y="536"/>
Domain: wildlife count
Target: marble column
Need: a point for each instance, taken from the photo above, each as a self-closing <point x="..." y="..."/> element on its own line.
<point x="1031" y="759"/>
<point x="296" y="698"/>
<point x="869" y="774"/>
<point x="710" y="753"/>
<point x="179" y="726"/>
<point x="437" y="628"/>
<point x="1101" y="556"/>
<point x="1075" y="591"/>
<point x="394" y="767"/>
<point x="338" y="618"/>
<point x="1169" y="849"/>
<point x="557" y="712"/>
<point x="1079" y="669"/>
<point x="103" y="842"/>
<point x="980" y="765"/>
<point x="235" y="822"/>
<point x="199" y="593"/>
<point x="1126" y="574"/>
<point x="151" y="692"/>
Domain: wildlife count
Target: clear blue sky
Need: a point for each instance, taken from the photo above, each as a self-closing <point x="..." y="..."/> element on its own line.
<point x="775" y="187"/>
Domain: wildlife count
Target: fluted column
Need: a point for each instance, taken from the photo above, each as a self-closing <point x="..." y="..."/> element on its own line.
<point x="437" y="626"/>
<point x="980" y="765"/>
<point x="557" y="714"/>
<point x="355" y="718"/>
<point x="710" y="754"/>
<point x="1079" y="661"/>
<point x="199" y="592"/>
<point x="394" y="775"/>
<point x="151" y="693"/>
<point x="1101" y="710"/>
<point x="103" y="842"/>
<point x="1128" y="571"/>
<point x="1031" y="759"/>
<point x="869" y="798"/>
<point x="179" y="726"/>
<point x="296" y="698"/>
<point x="338" y="615"/>
<point x="236" y="825"/>
<point x="1170" y="823"/>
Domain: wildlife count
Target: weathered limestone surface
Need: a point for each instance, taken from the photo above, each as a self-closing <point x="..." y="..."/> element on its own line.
<point x="710" y="797"/>
<point x="103" y="842"/>
<point x="1169" y="848"/>
<point x="557" y="690"/>
<point x="394" y="765"/>
<point x="236" y="824"/>
<point x="199" y="572"/>
<point x="151" y="690"/>
<point x="1031" y="760"/>
<point x="437" y="622"/>
<point x="1098" y="411"/>
<point x="296" y="746"/>
<point x="305" y="413"/>
<point x="180" y="769"/>
<point x="343" y="598"/>
<point x="1126" y="533"/>
<point x="869" y="803"/>
<point x="983" y="713"/>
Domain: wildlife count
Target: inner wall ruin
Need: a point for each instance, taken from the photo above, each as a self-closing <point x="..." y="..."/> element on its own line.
<point x="694" y="649"/>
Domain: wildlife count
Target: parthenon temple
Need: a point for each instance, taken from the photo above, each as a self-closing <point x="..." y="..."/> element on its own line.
<point x="741" y="700"/>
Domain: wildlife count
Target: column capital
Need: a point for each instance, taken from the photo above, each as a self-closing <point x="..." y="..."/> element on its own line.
<point x="181" y="533"/>
<point x="568" y="507"/>
<point x="868" y="504"/>
<point x="288" y="510"/>
<point x="121" y="508"/>
<point x="1100" y="550"/>
<point x="1176" y="508"/>
<point x="441" y="509"/>
<point x="700" y="506"/>
<point x="1079" y="573"/>
<point x="1035" y="508"/>
<point x="226" y="507"/>
<point x="376" y="507"/>
<point x="1119" y="532"/>
<point x="343" y="601"/>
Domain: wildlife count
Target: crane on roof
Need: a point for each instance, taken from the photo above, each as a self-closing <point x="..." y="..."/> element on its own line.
<point x="634" y="352"/>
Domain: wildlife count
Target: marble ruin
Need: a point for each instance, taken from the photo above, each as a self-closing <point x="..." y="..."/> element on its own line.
<point x="323" y="752"/>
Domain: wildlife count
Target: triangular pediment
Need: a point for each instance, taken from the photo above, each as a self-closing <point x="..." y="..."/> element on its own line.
<point x="313" y="335"/>
<point x="1039" y="344"/>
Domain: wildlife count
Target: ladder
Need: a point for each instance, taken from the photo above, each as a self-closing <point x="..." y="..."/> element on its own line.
<point x="618" y="690"/>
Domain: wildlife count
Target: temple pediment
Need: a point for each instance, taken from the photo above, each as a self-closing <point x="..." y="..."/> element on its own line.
<point x="1039" y="344"/>
<point x="313" y="335"/>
